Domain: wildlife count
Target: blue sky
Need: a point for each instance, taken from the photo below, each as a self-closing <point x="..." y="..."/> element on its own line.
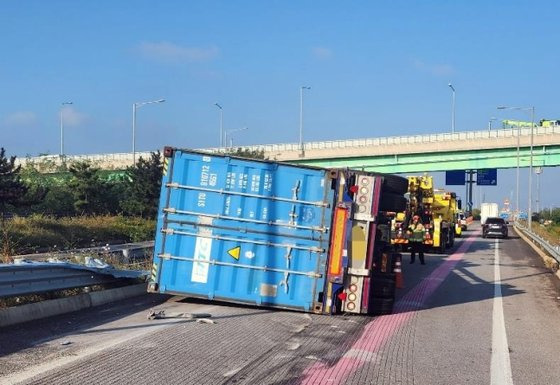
<point x="375" y="68"/>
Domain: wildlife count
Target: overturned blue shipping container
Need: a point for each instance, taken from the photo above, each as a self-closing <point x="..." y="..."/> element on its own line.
<point x="273" y="234"/>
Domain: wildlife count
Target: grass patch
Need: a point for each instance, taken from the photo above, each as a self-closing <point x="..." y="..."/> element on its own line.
<point x="40" y="233"/>
<point x="551" y="233"/>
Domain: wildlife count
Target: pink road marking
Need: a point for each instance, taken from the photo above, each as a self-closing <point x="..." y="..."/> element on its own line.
<point x="382" y="328"/>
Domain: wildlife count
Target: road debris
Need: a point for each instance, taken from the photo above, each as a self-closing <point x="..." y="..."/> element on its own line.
<point x="152" y="314"/>
<point x="160" y="314"/>
<point x="206" y="321"/>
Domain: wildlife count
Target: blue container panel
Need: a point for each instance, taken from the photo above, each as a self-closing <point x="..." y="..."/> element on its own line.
<point x="261" y="250"/>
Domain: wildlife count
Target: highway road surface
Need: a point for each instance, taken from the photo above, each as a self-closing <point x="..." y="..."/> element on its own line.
<point x="486" y="313"/>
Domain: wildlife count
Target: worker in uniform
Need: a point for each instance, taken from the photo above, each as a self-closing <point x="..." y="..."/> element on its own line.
<point x="416" y="239"/>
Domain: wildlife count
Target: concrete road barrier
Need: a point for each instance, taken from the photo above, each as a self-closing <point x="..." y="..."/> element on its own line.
<point x="33" y="311"/>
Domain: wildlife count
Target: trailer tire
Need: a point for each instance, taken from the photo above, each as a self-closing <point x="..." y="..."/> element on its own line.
<point x="451" y="238"/>
<point x="382" y="306"/>
<point x="442" y="242"/>
<point x="392" y="202"/>
<point x="383" y="287"/>
<point x="395" y="184"/>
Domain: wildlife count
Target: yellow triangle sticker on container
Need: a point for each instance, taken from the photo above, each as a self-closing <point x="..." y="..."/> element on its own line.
<point x="235" y="252"/>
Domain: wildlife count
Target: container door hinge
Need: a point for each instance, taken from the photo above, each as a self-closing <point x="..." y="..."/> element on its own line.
<point x="288" y="257"/>
<point x="293" y="216"/>
<point x="295" y="190"/>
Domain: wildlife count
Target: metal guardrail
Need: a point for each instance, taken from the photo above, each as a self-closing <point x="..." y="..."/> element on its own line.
<point x="552" y="250"/>
<point x="35" y="278"/>
<point x="127" y="250"/>
<point x="333" y="144"/>
<point x="403" y="140"/>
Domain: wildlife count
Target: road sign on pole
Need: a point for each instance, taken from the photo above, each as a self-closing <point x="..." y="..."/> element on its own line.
<point x="487" y="177"/>
<point x="455" y="178"/>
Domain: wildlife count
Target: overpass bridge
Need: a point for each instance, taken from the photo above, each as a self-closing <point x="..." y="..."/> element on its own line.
<point x="396" y="154"/>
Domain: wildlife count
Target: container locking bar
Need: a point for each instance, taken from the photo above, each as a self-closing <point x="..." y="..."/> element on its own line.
<point x="227" y="192"/>
<point x="169" y="231"/>
<point x="310" y="274"/>
<point x="171" y="210"/>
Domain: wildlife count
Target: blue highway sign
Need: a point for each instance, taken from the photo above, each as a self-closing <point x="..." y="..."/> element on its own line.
<point x="455" y="178"/>
<point x="487" y="177"/>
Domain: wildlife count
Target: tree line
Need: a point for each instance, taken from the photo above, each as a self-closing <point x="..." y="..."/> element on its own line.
<point x="80" y="188"/>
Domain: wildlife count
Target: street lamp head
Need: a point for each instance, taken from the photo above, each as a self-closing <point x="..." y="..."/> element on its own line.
<point x="232" y="130"/>
<point x="305" y="88"/>
<point x="217" y="105"/>
<point x="532" y="108"/>
<point x="451" y="86"/>
<point x="64" y="103"/>
<point x="140" y="104"/>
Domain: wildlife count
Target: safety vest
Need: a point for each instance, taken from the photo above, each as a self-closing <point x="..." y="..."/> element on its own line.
<point x="417" y="232"/>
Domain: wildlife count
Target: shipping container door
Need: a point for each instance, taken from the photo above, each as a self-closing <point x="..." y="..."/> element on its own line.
<point x="243" y="231"/>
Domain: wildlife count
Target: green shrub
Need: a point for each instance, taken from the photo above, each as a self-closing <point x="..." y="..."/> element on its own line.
<point x="39" y="233"/>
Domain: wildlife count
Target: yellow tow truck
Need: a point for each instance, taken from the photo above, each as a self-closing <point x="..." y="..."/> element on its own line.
<point x="437" y="210"/>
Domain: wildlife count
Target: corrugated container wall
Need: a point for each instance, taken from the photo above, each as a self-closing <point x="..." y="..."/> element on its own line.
<point x="245" y="231"/>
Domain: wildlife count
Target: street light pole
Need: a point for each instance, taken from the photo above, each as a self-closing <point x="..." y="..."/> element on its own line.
<point x="231" y="132"/>
<point x="302" y="152"/>
<point x="62" y="128"/>
<point x="532" y="109"/>
<point x="517" y="173"/>
<point x="490" y="124"/>
<point x="538" y="171"/>
<point x="530" y="213"/>
<point x="222" y="138"/>
<point x="452" y="108"/>
<point x="135" y="106"/>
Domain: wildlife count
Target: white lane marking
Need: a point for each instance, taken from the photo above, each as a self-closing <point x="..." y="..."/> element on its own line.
<point x="500" y="368"/>
<point x="232" y="373"/>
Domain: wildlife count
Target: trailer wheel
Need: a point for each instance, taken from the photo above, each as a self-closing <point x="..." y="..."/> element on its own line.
<point x="395" y="184"/>
<point x="383" y="287"/>
<point x="392" y="202"/>
<point x="442" y="242"/>
<point x="451" y="238"/>
<point x="382" y="306"/>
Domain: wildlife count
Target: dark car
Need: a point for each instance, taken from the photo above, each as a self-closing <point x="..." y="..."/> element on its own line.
<point x="495" y="226"/>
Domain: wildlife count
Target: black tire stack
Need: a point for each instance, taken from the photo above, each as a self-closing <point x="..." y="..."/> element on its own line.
<point x="392" y="191"/>
<point x="383" y="284"/>
<point x="382" y="293"/>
